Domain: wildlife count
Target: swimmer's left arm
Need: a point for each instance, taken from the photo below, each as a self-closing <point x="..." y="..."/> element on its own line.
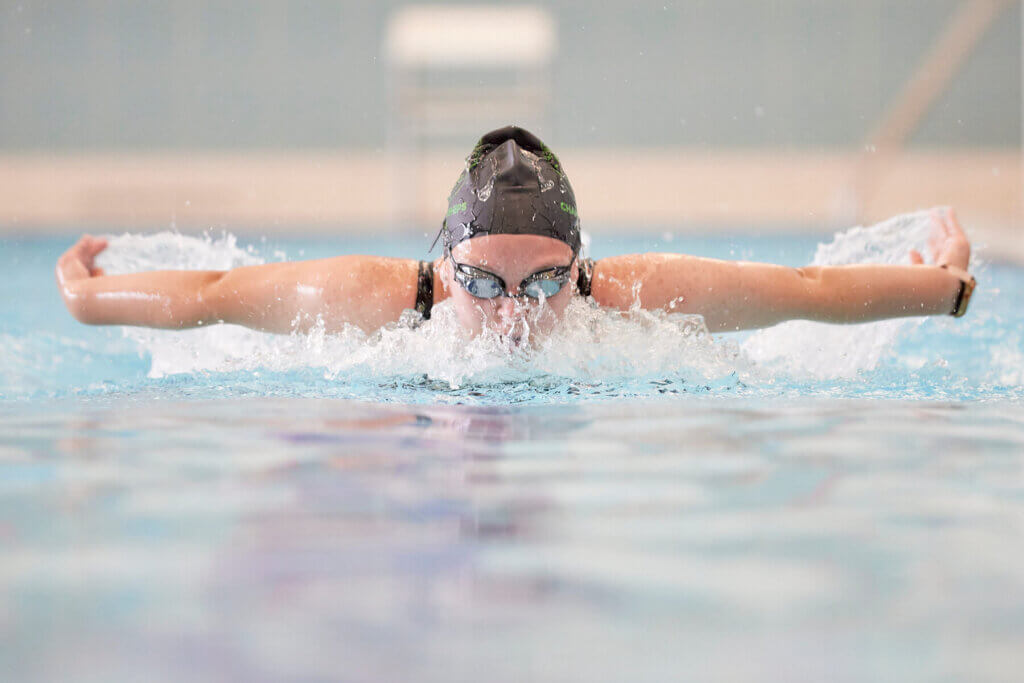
<point x="740" y="295"/>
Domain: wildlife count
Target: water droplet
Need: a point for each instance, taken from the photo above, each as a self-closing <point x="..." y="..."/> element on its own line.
<point x="484" y="193"/>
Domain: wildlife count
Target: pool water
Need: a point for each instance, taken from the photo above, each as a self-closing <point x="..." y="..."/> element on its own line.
<point x="802" y="504"/>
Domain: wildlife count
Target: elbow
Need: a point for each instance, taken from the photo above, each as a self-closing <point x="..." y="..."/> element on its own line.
<point x="808" y="273"/>
<point x="209" y="297"/>
<point x="210" y="287"/>
<point x="809" y="294"/>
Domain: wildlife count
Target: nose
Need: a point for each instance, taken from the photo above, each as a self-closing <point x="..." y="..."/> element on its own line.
<point x="511" y="318"/>
<point x="509" y="307"/>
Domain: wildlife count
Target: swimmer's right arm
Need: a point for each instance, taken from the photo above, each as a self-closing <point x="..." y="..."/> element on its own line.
<point x="364" y="291"/>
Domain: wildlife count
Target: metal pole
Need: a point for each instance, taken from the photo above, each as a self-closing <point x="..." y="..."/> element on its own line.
<point x="935" y="72"/>
<point x="927" y="83"/>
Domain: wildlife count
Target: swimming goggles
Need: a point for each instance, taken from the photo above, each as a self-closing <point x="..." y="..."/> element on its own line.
<point x="483" y="285"/>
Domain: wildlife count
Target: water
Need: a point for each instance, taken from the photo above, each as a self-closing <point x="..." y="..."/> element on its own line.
<point x="824" y="503"/>
<point x="596" y="355"/>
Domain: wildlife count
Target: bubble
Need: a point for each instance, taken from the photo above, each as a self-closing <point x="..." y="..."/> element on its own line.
<point x="484" y="193"/>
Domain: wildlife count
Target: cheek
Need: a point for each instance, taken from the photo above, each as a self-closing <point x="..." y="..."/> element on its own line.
<point x="472" y="312"/>
<point x="560" y="301"/>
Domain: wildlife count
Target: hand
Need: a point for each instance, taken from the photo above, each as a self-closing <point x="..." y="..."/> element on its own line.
<point x="947" y="244"/>
<point x="78" y="262"/>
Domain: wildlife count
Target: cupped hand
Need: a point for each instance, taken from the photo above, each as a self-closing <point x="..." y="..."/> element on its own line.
<point x="947" y="243"/>
<point x="78" y="262"/>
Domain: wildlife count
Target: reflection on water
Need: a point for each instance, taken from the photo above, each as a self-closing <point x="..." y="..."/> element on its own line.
<point x="312" y="540"/>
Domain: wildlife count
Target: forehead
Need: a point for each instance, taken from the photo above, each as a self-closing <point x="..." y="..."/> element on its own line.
<point x="513" y="251"/>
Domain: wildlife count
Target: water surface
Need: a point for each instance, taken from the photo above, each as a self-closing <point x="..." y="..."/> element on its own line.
<point x="804" y="504"/>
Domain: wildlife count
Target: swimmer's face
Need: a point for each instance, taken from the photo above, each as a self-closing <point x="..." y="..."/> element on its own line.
<point x="513" y="258"/>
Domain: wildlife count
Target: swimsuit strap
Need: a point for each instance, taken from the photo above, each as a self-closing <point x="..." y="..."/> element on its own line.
<point x="586" y="276"/>
<point x="425" y="289"/>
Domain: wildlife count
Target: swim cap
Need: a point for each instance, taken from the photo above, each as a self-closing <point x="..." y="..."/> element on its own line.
<point x="512" y="185"/>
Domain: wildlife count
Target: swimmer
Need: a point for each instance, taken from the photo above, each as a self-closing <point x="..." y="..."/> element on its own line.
<point x="511" y="263"/>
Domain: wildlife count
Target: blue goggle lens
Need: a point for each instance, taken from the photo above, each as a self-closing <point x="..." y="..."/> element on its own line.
<point x="483" y="287"/>
<point x="486" y="288"/>
<point x="545" y="288"/>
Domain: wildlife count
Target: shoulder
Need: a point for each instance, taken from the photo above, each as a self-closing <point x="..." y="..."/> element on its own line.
<point x="384" y="270"/>
<point x="364" y="277"/>
<point x="622" y="281"/>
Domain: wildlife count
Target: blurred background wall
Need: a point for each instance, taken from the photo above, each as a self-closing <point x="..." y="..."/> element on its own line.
<point x="268" y="115"/>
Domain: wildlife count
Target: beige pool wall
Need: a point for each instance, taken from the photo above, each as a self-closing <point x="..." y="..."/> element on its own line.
<point x="742" y="117"/>
<point x="617" y="189"/>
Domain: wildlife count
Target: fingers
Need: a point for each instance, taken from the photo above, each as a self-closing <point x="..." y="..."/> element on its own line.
<point x="81" y="247"/>
<point x="940" y="221"/>
<point x="954" y="224"/>
<point x="937" y="236"/>
<point x="958" y="249"/>
<point x="77" y="262"/>
<point x="87" y="248"/>
<point x="90" y="246"/>
<point x="948" y="243"/>
<point x="70" y="266"/>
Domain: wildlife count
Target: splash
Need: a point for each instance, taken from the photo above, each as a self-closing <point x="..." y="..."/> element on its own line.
<point x="801" y="348"/>
<point x="484" y="193"/>
<point x="534" y="161"/>
<point x="591" y="346"/>
<point x="129" y="253"/>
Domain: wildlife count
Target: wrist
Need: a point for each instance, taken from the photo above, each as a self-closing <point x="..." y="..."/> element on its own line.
<point x="965" y="289"/>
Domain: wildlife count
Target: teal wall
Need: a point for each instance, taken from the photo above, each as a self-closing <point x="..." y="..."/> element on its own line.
<point x="235" y="74"/>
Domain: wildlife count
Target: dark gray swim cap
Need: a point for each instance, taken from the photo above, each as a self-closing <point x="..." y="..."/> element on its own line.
<point x="512" y="185"/>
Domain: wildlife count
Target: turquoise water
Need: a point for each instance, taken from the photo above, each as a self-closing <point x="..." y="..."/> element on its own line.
<point x="803" y="508"/>
<point x="47" y="355"/>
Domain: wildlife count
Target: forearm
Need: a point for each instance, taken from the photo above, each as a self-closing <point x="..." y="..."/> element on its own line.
<point x="734" y="295"/>
<point x="863" y="293"/>
<point x="166" y="299"/>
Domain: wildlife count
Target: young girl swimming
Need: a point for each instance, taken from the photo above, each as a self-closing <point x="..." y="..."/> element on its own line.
<point x="511" y="263"/>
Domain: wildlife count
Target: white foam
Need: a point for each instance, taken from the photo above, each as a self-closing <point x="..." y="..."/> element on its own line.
<point x="591" y="344"/>
<point x="802" y="348"/>
<point x="129" y="253"/>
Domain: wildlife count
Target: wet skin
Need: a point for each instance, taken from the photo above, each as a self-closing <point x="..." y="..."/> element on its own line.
<point x="513" y="258"/>
<point x="370" y="292"/>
